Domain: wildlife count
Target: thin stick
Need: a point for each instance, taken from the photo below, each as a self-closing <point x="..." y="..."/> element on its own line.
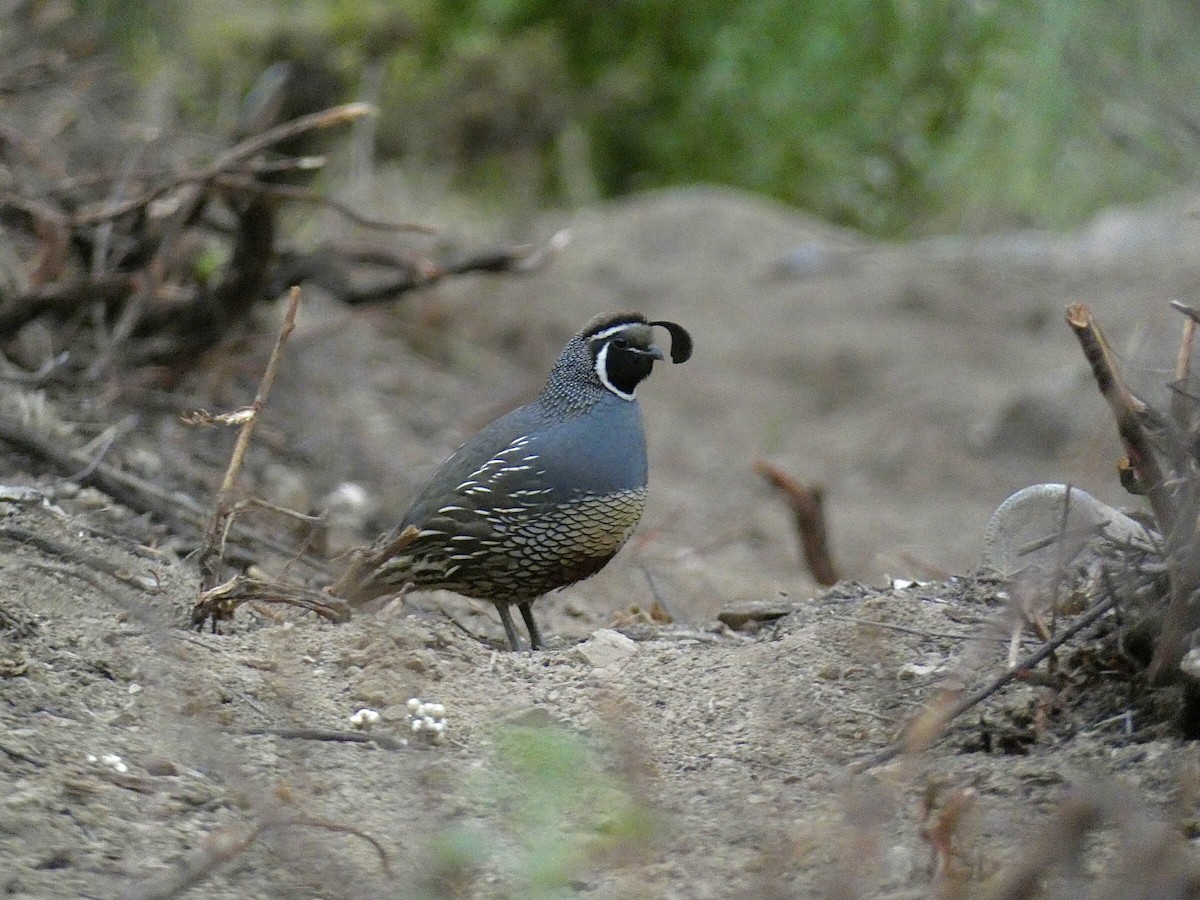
<point x="904" y="629"/>
<point x="219" y="847"/>
<point x="307" y="195"/>
<point x="216" y="849"/>
<point x="219" y="602"/>
<point x="521" y="258"/>
<point x="326" y="118"/>
<point x="13" y="753"/>
<point x="324" y="734"/>
<point x="1060" y="570"/>
<point x="138" y="494"/>
<point x="1183" y="404"/>
<point x="1180" y="405"/>
<point x="218" y="527"/>
<point x="59" y="550"/>
<point x="65" y="297"/>
<point x="946" y="716"/>
<point x="339" y="828"/>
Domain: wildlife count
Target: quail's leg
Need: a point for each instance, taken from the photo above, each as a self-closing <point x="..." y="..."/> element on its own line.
<point x="535" y="636"/>
<point x="514" y="640"/>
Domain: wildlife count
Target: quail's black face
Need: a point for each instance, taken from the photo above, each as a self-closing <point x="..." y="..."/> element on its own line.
<point x="623" y="353"/>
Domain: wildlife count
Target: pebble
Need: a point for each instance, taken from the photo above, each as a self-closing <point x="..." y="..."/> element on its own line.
<point x="740" y="615"/>
<point x="605" y="649"/>
<point x="159" y="767"/>
<point x="1036" y="513"/>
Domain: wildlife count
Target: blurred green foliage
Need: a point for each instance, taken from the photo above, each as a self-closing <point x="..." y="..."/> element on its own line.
<point x="890" y="115"/>
<point x="567" y="811"/>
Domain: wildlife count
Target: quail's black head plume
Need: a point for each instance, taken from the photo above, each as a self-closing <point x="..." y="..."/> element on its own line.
<point x="541" y="498"/>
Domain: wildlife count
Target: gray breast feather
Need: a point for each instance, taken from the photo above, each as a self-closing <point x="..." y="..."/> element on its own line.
<point x="597" y="453"/>
<point x="526" y="462"/>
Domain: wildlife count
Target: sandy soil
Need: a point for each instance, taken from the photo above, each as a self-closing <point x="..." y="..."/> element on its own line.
<point x="920" y="383"/>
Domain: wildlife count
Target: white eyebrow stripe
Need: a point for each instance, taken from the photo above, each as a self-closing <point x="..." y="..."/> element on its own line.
<point x="609" y="332"/>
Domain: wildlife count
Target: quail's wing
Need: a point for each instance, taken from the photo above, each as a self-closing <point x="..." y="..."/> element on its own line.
<point x="496" y="471"/>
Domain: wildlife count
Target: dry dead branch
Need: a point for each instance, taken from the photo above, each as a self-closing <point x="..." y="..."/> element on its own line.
<point x="218" y="604"/>
<point x="224" y="845"/>
<point x="807" y="503"/>
<point x="118" y="244"/>
<point x="384" y="741"/>
<point x="1181" y="401"/>
<point x="182" y="511"/>
<point x="1161" y="463"/>
<point x="923" y="731"/>
<point x="1061" y="841"/>
<point x="74" y="554"/>
<point x="216" y="849"/>
<point x="218" y="528"/>
<point x="218" y="600"/>
<point x="411" y="274"/>
<point x="226" y="161"/>
<point x="944" y="817"/>
<point x="1127" y="409"/>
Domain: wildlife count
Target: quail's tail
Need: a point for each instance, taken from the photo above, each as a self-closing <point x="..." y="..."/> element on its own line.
<point x="368" y="576"/>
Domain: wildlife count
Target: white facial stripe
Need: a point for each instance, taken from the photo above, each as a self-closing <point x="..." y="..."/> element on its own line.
<point x="609" y="332"/>
<point x="602" y="374"/>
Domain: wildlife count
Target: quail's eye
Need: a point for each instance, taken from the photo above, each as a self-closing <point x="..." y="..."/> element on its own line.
<point x="621" y="343"/>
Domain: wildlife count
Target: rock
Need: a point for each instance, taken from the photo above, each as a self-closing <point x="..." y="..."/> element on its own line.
<point x="1190" y="664"/>
<point x="284" y="486"/>
<point x="348" y="508"/>
<point x="161" y="767"/>
<point x="1035" y="514"/>
<point x="739" y="616"/>
<point x="605" y="649"/>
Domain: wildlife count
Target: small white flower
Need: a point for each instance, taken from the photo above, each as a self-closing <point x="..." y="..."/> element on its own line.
<point x="114" y="762"/>
<point x="429" y="718"/>
<point x="364" y="718"/>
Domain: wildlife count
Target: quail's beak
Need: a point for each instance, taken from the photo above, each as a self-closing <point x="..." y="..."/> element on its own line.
<point x="653" y="352"/>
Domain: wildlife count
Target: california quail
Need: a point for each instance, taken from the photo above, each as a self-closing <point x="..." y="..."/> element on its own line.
<point x="544" y="496"/>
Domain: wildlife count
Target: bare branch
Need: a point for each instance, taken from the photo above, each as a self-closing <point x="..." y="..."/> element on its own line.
<point x="174" y="507"/>
<point x="218" y="528"/>
<point x="307" y="195"/>
<point x="931" y="724"/>
<point x="1127" y="410"/>
<point x="327" y="118"/>
<point x="807" y="504"/>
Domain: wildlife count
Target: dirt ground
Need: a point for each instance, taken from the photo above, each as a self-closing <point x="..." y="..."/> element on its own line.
<point x="920" y="383"/>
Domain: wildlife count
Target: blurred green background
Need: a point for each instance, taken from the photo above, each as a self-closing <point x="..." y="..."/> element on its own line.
<point x="895" y="117"/>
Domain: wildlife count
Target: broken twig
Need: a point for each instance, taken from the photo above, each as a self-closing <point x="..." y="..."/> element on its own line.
<point x="218" y="603"/>
<point x="807" y="504"/>
<point x="215" y="535"/>
<point x="175" y="507"/>
<point x="1127" y="410"/>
